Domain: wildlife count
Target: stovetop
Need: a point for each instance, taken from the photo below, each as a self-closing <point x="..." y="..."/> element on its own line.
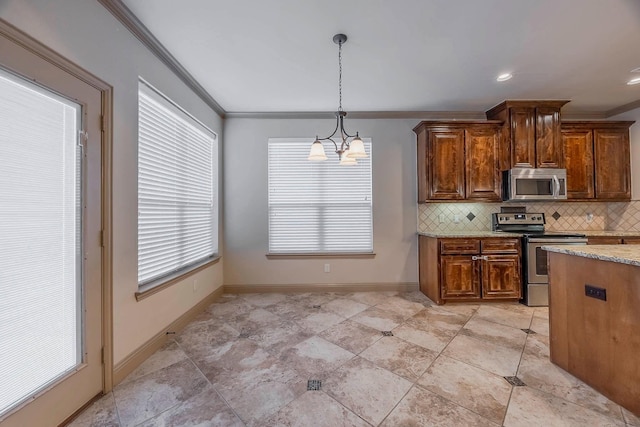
<point x="529" y="224"/>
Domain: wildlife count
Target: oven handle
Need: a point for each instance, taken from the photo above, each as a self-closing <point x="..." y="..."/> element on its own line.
<point x="553" y="241"/>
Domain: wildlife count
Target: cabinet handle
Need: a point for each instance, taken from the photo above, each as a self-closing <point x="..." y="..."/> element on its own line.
<point x="486" y="257"/>
<point x="475" y="258"/>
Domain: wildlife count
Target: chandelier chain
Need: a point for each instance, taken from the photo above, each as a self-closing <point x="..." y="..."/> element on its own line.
<point x="340" y="74"/>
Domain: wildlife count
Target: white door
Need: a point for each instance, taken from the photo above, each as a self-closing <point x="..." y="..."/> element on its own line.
<point x="50" y="255"/>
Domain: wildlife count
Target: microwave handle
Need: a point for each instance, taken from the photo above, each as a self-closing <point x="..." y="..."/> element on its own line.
<point x="556" y="192"/>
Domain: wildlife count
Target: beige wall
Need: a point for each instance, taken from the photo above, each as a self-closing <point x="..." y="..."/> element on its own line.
<point x="87" y="34"/>
<point x="245" y="210"/>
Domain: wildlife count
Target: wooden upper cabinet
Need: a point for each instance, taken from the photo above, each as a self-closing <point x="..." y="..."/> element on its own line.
<point x="597" y="159"/>
<point x="578" y="160"/>
<point x="612" y="163"/>
<point x="458" y="161"/>
<point x="483" y="179"/>
<point x="531" y="133"/>
<point x="446" y="164"/>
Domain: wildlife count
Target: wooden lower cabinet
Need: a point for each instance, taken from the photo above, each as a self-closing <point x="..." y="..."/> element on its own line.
<point x="461" y="269"/>
<point x="613" y="240"/>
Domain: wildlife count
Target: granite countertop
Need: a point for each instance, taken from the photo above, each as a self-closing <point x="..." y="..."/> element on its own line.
<point x="623" y="254"/>
<point x="488" y="233"/>
<point x="605" y="233"/>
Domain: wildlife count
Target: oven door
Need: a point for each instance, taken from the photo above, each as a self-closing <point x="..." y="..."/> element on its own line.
<point x="537" y="258"/>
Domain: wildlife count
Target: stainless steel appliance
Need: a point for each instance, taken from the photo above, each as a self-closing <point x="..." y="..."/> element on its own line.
<point x="520" y="184"/>
<point x="535" y="286"/>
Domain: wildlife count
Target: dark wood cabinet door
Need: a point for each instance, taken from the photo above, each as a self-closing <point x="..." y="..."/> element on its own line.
<point x="578" y="160"/>
<point x="501" y="276"/>
<point x="548" y="144"/>
<point x="446" y="164"/>
<point x="523" y="137"/>
<point x="483" y="178"/>
<point x="635" y="240"/>
<point x="459" y="277"/>
<point x="612" y="164"/>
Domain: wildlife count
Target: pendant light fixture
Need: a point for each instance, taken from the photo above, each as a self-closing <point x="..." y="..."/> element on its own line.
<point x="351" y="147"/>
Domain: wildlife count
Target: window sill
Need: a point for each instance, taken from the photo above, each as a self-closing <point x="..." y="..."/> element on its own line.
<point x="346" y="255"/>
<point x="156" y="286"/>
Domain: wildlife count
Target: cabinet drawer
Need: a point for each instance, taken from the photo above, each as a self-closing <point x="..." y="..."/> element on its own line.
<point x="459" y="246"/>
<point x="631" y="240"/>
<point x="600" y="240"/>
<point x="501" y="245"/>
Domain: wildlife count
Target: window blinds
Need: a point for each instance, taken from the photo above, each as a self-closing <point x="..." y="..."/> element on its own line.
<point x="40" y="231"/>
<point x="177" y="188"/>
<point x="318" y="207"/>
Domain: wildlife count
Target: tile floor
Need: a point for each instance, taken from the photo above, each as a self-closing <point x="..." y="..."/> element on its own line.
<point x="247" y="361"/>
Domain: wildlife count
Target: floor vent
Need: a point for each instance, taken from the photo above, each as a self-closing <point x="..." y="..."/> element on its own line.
<point x="244" y="335"/>
<point x="515" y="381"/>
<point x="387" y="333"/>
<point x="314" y="385"/>
<point x="528" y="331"/>
<point x="315" y="306"/>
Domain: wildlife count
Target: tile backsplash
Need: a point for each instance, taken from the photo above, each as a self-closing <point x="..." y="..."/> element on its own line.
<point x="560" y="216"/>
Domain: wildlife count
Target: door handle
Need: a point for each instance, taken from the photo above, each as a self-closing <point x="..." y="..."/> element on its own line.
<point x="556" y="192"/>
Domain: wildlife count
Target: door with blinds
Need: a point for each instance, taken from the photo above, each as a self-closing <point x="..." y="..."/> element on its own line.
<point x="51" y="255"/>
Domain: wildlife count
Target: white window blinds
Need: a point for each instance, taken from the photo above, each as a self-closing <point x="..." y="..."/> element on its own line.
<point x="318" y="207"/>
<point x="40" y="235"/>
<point x="177" y="188"/>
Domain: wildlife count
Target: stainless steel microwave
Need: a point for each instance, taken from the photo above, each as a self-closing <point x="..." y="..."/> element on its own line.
<point x="520" y="184"/>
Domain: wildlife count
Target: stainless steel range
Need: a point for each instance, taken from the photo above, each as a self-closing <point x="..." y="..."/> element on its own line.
<point x="535" y="286"/>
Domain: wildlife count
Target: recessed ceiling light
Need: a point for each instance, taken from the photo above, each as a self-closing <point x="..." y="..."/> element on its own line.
<point x="634" y="81"/>
<point x="504" y="77"/>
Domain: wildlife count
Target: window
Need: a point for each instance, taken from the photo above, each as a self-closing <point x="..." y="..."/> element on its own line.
<point x="318" y="207"/>
<point x="177" y="188"/>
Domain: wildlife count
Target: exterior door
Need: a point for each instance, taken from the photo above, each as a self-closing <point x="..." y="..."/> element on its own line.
<point x="57" y="227"/>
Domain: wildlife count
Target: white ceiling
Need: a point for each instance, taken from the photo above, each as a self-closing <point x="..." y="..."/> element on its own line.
<point x="402" y="55"/>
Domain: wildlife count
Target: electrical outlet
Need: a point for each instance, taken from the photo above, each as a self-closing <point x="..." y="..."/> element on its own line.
<point x="456" y="218"/>
<point x="589" y="217"/>
<point x="441" y="218"/>
<point x="327" y="268"/>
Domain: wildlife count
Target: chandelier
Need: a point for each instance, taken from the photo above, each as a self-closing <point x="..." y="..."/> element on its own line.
<point x="351" y="147"/>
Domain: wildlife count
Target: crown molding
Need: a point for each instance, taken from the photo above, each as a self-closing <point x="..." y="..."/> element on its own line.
<point x="123" y="14"/>
<point x="422" y="115"/>
<point x="623" y="108"/>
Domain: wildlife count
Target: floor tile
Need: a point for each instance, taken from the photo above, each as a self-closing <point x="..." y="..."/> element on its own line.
<point x="253" y="321"/>
<point x="351" y="336"/>
<point x="542" y="312"/>
<point x="378" y="319"/>
<point x="230" y="360"/>
<point x="506" y="315"/>
<point x="463" y="309"/>
<point x="401" y="358"/>
<point x="345" y="307"/>
<point x="370" y="298"/>
<point x="539" y="373"/>
<point x="167" y="355"/>
<point x="630" y="418"/>
<point x="200" y="338"/>
<point x="400" y="306"/>
<point x="366" y="389"/>
<point x="289" y="309"/>
<point x="279" y="337"/>
<point x="495" y="333"/>
<point x="102" y="413"/>
<point x="315" y="357"/>
<point x="530" y="407"/>
<point x="422" y="408"/>
<point x="438" y="317"/>
<point x="309" y="299"/>
<point x="204" y="409"/>
<point x="152" y="394"/>
<point x="317" y="320"/>
<point x="537" y="345"/>
<point x="315" y="408"/>
<point x="540" y="325"/>
<point x="434" y="339"/>
<point x="228" y="307"/>
<point x="500" y="360"/>
<point x="476" y="389"/>
<point x="416" y="296"/>
<point x="263" y="299"/>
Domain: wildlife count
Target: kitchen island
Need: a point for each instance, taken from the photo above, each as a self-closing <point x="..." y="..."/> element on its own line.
<point x="594" y="317"/>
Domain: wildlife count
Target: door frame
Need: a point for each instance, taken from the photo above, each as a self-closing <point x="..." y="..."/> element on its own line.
<point x="22" y="39"/>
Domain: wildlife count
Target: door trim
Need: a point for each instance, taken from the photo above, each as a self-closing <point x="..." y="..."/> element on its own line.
<point x="22" y="39"/>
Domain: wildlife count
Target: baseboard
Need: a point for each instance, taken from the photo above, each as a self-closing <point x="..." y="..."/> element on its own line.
<point x="322" y="287"/>
<point x="135" y="359"/>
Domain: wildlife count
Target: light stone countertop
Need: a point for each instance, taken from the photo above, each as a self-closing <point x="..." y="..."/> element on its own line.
<point x="471" y="234"/>
<point x="604" y="233"/>
<point x="623" y="254"/>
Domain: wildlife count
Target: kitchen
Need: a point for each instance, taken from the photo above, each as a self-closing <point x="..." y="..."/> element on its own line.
<point x="75" y="29"/>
